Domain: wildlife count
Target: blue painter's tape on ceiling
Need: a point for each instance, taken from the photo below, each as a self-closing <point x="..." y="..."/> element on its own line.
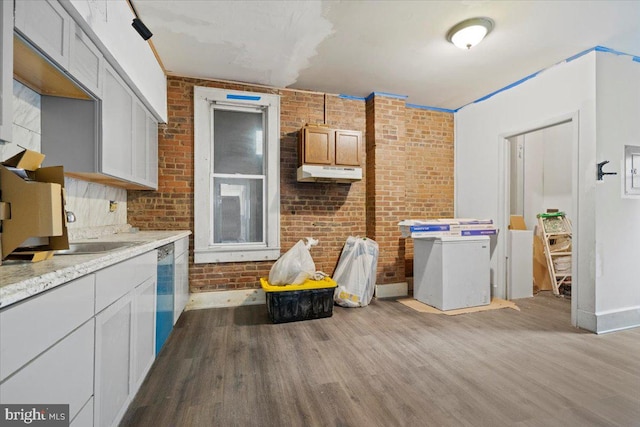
<point x="355" y="98"/>
<point x="244" y="97"/>
<point x="426" y="107"/>
<point x="387" y="95"/>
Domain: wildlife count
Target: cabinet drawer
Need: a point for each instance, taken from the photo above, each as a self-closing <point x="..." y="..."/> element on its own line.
<point x="181" y="246"/>
<point x="85" y="416"/>
<point x="61" y="375"/>
<point x="29" y="328"/>
<point x="115" y="281"/>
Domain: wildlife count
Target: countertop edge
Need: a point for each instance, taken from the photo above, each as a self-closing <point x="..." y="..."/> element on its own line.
<point x="22" y="289"/>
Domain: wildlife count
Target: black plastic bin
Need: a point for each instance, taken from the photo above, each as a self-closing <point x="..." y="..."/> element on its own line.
<point x="311" y="300"/>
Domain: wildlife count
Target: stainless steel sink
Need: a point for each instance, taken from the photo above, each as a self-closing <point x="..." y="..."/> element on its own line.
<point x="85" y="248"/>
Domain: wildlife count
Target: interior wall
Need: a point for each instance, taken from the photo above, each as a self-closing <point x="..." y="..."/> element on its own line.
<point x="617" y="217"/>
<point x="565" y="90"/>
<point x="547" y="172"/>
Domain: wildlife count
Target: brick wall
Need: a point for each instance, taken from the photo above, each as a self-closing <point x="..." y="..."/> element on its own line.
<point x="329" y="212"/>
<point x="408" y="169"/>
<point x="429" y="169"/>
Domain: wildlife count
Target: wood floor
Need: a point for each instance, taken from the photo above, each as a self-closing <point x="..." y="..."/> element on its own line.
<point x="388" y="365"/>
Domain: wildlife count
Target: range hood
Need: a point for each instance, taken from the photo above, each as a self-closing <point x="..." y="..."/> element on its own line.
<point x="317" y="173"/>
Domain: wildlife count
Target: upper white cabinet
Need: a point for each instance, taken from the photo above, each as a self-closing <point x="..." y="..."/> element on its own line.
<point x="129" y="148"/>
<point x="86" y="63"/>
<point x="6" y="74"/>
<point x="47" y="25"/>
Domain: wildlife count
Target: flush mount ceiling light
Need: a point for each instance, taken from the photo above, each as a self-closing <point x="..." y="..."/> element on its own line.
<point x="470" y="32"/>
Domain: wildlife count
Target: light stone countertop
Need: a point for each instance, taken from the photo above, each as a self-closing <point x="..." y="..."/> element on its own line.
<point x="20" y="280"/>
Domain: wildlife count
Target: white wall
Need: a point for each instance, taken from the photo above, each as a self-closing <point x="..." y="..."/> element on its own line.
<point x="110" y="20"/>
<point x="563" y="91"/>
<point x="547" y="172"/>
<point x="617" y="218"/>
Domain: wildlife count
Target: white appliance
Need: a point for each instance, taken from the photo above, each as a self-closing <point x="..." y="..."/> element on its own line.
<point x="452" y="272"/>
<point x="520" y="264"/>
<point x="318" y="173"/>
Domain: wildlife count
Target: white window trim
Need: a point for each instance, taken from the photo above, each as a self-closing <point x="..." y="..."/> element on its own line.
<point x="204" y="252"/>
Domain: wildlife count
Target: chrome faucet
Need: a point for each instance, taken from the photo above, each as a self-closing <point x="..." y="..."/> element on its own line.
<point x="71" y="217"/>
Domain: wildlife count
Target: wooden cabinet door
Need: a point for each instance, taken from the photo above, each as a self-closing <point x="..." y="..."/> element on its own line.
<point x="348" y="145"/>
<point x="317" y="145"/>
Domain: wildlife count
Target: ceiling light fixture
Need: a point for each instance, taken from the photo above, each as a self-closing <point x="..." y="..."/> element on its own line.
<point x="470" y="32"/>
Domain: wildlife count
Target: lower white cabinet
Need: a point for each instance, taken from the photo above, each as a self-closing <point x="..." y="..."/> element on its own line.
<point x="84" y="417"/>
<point x="113" y="355"/>
<point x="125" y="334"/>
<point x="181" y="278"/>
<point x="144" y="331"/>
<point x="61" y="375"/>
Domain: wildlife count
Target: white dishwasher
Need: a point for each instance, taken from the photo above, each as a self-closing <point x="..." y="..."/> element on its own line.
<point x="452" y="272"/>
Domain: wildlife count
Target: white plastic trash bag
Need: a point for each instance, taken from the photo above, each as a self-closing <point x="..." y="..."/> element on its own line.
<point x="355" y="273"/>
<point x="295" y="266"/>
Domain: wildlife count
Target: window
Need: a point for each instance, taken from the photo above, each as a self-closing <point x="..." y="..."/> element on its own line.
<point x="237" y="170"/>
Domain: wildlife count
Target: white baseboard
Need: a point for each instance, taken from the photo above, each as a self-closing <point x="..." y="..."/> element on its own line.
<point x="217" y="299"/>
<point x="392" y="290"/>
<point x="618" y="320"/>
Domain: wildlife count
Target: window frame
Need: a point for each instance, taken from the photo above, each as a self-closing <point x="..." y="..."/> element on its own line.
<point x="205" y="251"/>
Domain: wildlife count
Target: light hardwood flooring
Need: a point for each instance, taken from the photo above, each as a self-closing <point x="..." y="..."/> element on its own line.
<point x="388" y="365"/>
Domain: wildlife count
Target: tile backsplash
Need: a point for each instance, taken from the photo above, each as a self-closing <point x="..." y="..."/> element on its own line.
<point x="90" y="202"/>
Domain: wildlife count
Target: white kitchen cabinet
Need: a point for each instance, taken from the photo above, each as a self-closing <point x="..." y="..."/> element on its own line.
<point x="61" y="375"/>
<point x="113" y="354"/>
<point x="117" y="148"/>
<point x="47" y="25"/>
<point x="181" y="278"/>
<point x="86" y="63"/>
<point x="45" y="319"/>
<point x="129" y="145"/>
<point x="6" y="73"/>
<point x="84" y="417"/>
<point x="125" y="334"/>
<point x="144" y="331"/>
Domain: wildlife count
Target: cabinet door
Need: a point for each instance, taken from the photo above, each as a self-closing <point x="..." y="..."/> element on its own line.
<point x="140" y="143"/>
<point x="317" y="145"/>
<point x="117" y="127"/>
<point x="112" y="363"/>
<point x="144" y="331"/>
<point x="85" y="61"/>
<point x="348" y="144"/>
<point x="61" y="375"/>
<point x="6" y="73"/>
<point x="152" y="151"/>
<point x="181" y="284"/>
<point x="47" y="25"/>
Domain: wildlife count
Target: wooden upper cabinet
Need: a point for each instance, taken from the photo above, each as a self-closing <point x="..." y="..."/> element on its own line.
<point x="324" y="146"/>
<point x="348" y="147"/>
<point x="317" y="145"/>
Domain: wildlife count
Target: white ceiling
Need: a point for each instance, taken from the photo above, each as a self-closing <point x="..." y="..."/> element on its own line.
<point x="358" y="47"/>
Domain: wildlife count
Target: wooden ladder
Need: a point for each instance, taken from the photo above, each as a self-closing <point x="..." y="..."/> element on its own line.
<point x="556" y="234"/>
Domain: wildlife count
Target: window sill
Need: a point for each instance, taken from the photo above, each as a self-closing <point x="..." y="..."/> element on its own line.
<point x="207" y="255"/>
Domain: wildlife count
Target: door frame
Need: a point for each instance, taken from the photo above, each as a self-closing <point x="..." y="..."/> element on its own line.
<point x="504" y="207"/>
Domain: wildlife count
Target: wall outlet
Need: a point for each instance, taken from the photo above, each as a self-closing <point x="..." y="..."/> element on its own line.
<point x="113" y="206"/>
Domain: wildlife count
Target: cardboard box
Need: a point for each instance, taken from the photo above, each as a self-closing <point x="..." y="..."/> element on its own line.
<point x="517" y="223"/>
<point x="31" y="205"/>
<point x="541" y="278"/>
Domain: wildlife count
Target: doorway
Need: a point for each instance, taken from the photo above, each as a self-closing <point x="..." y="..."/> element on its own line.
<point x="540" y="173"/>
